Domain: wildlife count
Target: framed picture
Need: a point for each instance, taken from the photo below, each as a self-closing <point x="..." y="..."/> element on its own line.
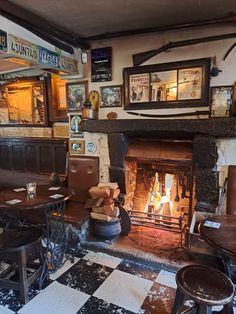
<point x="221" y="101"/>
<point x="61" y="92"/>
<point x="168" y="85"/>
<point x="23" y="103"/>
<point x="111" y="96"/>
<point x="77" y="147"/>
<point x="75" y="130"/>
<point x="57" y="98"/>
<point x="76" y="94"/>
<point x="101" y="63"/>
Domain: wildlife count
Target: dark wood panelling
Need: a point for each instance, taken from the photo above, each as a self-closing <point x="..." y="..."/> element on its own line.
<point x="60" y="157"/>
<point x="45" y="159"/>
<point x="4" y="156"/>
<point x="33" y="155"/>
<point x="31" y="158"/>
<point x="17" y="157"/>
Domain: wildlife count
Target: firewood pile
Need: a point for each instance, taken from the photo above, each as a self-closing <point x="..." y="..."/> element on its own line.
<point x="104" y="196"/>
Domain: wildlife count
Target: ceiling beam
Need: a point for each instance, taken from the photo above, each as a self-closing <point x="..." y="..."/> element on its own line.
<point x="231" y="18"/>
<point x="46" y="30"/>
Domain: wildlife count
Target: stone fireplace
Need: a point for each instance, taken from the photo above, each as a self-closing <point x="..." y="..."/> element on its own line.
<point x="196" y="142"/>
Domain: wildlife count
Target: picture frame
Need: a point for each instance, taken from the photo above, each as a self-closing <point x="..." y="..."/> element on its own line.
<point x="75" y="130"/>
<point x="24" y="103"/>
<point x="101" y="64"/>
<point x="168" y="85"/>
<point x="56" y="87"/>
<point x="76" y="147"/>
<point x="111" y="96"/>
<point x="76" y="94"/>
<point x="221" y="101"/>
<point x="61" y="94"/>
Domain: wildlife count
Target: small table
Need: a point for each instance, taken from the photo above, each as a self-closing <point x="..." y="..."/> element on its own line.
<point x="222" y="238"/>
<point x="49" y="201"/>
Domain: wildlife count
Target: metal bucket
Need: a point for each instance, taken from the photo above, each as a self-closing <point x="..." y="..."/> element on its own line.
<point x="107" y="229"/>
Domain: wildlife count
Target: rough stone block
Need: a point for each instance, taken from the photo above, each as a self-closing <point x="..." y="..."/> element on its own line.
<point x="117" y="174"/>
<point x="207" y="186"/>
<point x="118" y="144"/>
<point x="205" y="151"/>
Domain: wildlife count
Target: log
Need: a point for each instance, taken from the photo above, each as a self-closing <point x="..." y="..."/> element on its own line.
<point x="97" y="192"/>
<point x="102" y="217"/>
<point x="111" y="185"/>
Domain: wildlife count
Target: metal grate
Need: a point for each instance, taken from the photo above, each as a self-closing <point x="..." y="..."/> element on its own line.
<point x="158" y="221"/>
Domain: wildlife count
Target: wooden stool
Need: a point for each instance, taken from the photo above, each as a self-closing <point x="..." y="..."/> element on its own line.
<point x="204" y="285"/>
<point x="15" y="248"/>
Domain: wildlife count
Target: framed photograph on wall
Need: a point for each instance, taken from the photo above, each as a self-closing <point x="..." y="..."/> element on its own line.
<point x="23" y="104"/>
<point x="221" y="101"/>
<point x="77" y="147"/>
<point x="75" y="129"/>
<point x="76" y="94"/>
<point x="182" y="84"/>
<point x="111" y="96"/>
<point x="139" y="87"/>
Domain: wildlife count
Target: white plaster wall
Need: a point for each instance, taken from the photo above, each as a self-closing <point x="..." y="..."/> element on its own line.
<point x="226" y="152"/>
<point x="123" y="48"/>
<point x="101" y="142"/>
<point x="226" y="149"/>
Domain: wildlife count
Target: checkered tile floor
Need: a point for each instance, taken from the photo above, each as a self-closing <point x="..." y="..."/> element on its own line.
<point x="98" y="283"/>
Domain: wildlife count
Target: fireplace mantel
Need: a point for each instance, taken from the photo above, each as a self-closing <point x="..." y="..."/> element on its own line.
<point x="218" y="127"/>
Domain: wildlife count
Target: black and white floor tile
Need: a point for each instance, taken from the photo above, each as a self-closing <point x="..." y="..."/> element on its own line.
<point x="98" y="283"/>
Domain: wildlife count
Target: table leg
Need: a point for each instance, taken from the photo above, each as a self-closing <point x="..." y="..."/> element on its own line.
<point x="226" y="264"/>
<point x="54" y="240"/>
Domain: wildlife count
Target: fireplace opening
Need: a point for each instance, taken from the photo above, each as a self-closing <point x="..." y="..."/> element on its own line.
<point x="159" y="180"/>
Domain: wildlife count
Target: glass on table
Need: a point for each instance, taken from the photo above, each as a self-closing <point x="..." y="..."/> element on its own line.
<point x="31" y="189"/>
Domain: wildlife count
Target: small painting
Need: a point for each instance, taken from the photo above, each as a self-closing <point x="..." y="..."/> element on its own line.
<point x="77" y="147"/>
<point x="111" y="96"/>
<point x="221" y="101"/>
<point x="75" y="129"/>
<point x="76" y="94"/>
<point x="139" y="88"/>
<point x="190" y="83"/>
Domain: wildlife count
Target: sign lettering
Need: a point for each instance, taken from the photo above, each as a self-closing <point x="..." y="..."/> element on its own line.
<point x="23" y="48"/>
<point x="68" y="65"/>
<point x="48" y="57"/>
<point x="3" y="40"/>
<point x="37" y="54"/>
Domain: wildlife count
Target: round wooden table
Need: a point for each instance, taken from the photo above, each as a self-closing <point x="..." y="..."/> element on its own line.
<point x="48" y="206"/>
<point x="42" y="198"/>
<point x="222" y="238"/>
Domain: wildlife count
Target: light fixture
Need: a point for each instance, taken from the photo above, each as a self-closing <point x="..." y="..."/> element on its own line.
<point x="84" y="56"/>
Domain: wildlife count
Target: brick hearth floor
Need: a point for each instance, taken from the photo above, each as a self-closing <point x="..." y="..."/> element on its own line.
<point x="99" y="283"/>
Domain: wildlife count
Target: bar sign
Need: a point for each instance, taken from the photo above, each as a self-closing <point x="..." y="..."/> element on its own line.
<point x="3" y="40"/>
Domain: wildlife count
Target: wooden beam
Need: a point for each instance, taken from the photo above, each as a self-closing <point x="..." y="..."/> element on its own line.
<point x="41" y="27"/>
<point x="222" y="20"/>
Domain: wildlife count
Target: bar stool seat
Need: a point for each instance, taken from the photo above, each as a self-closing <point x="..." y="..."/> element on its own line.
<point x="204" y="285"/>
<point x="16" y="246"/>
